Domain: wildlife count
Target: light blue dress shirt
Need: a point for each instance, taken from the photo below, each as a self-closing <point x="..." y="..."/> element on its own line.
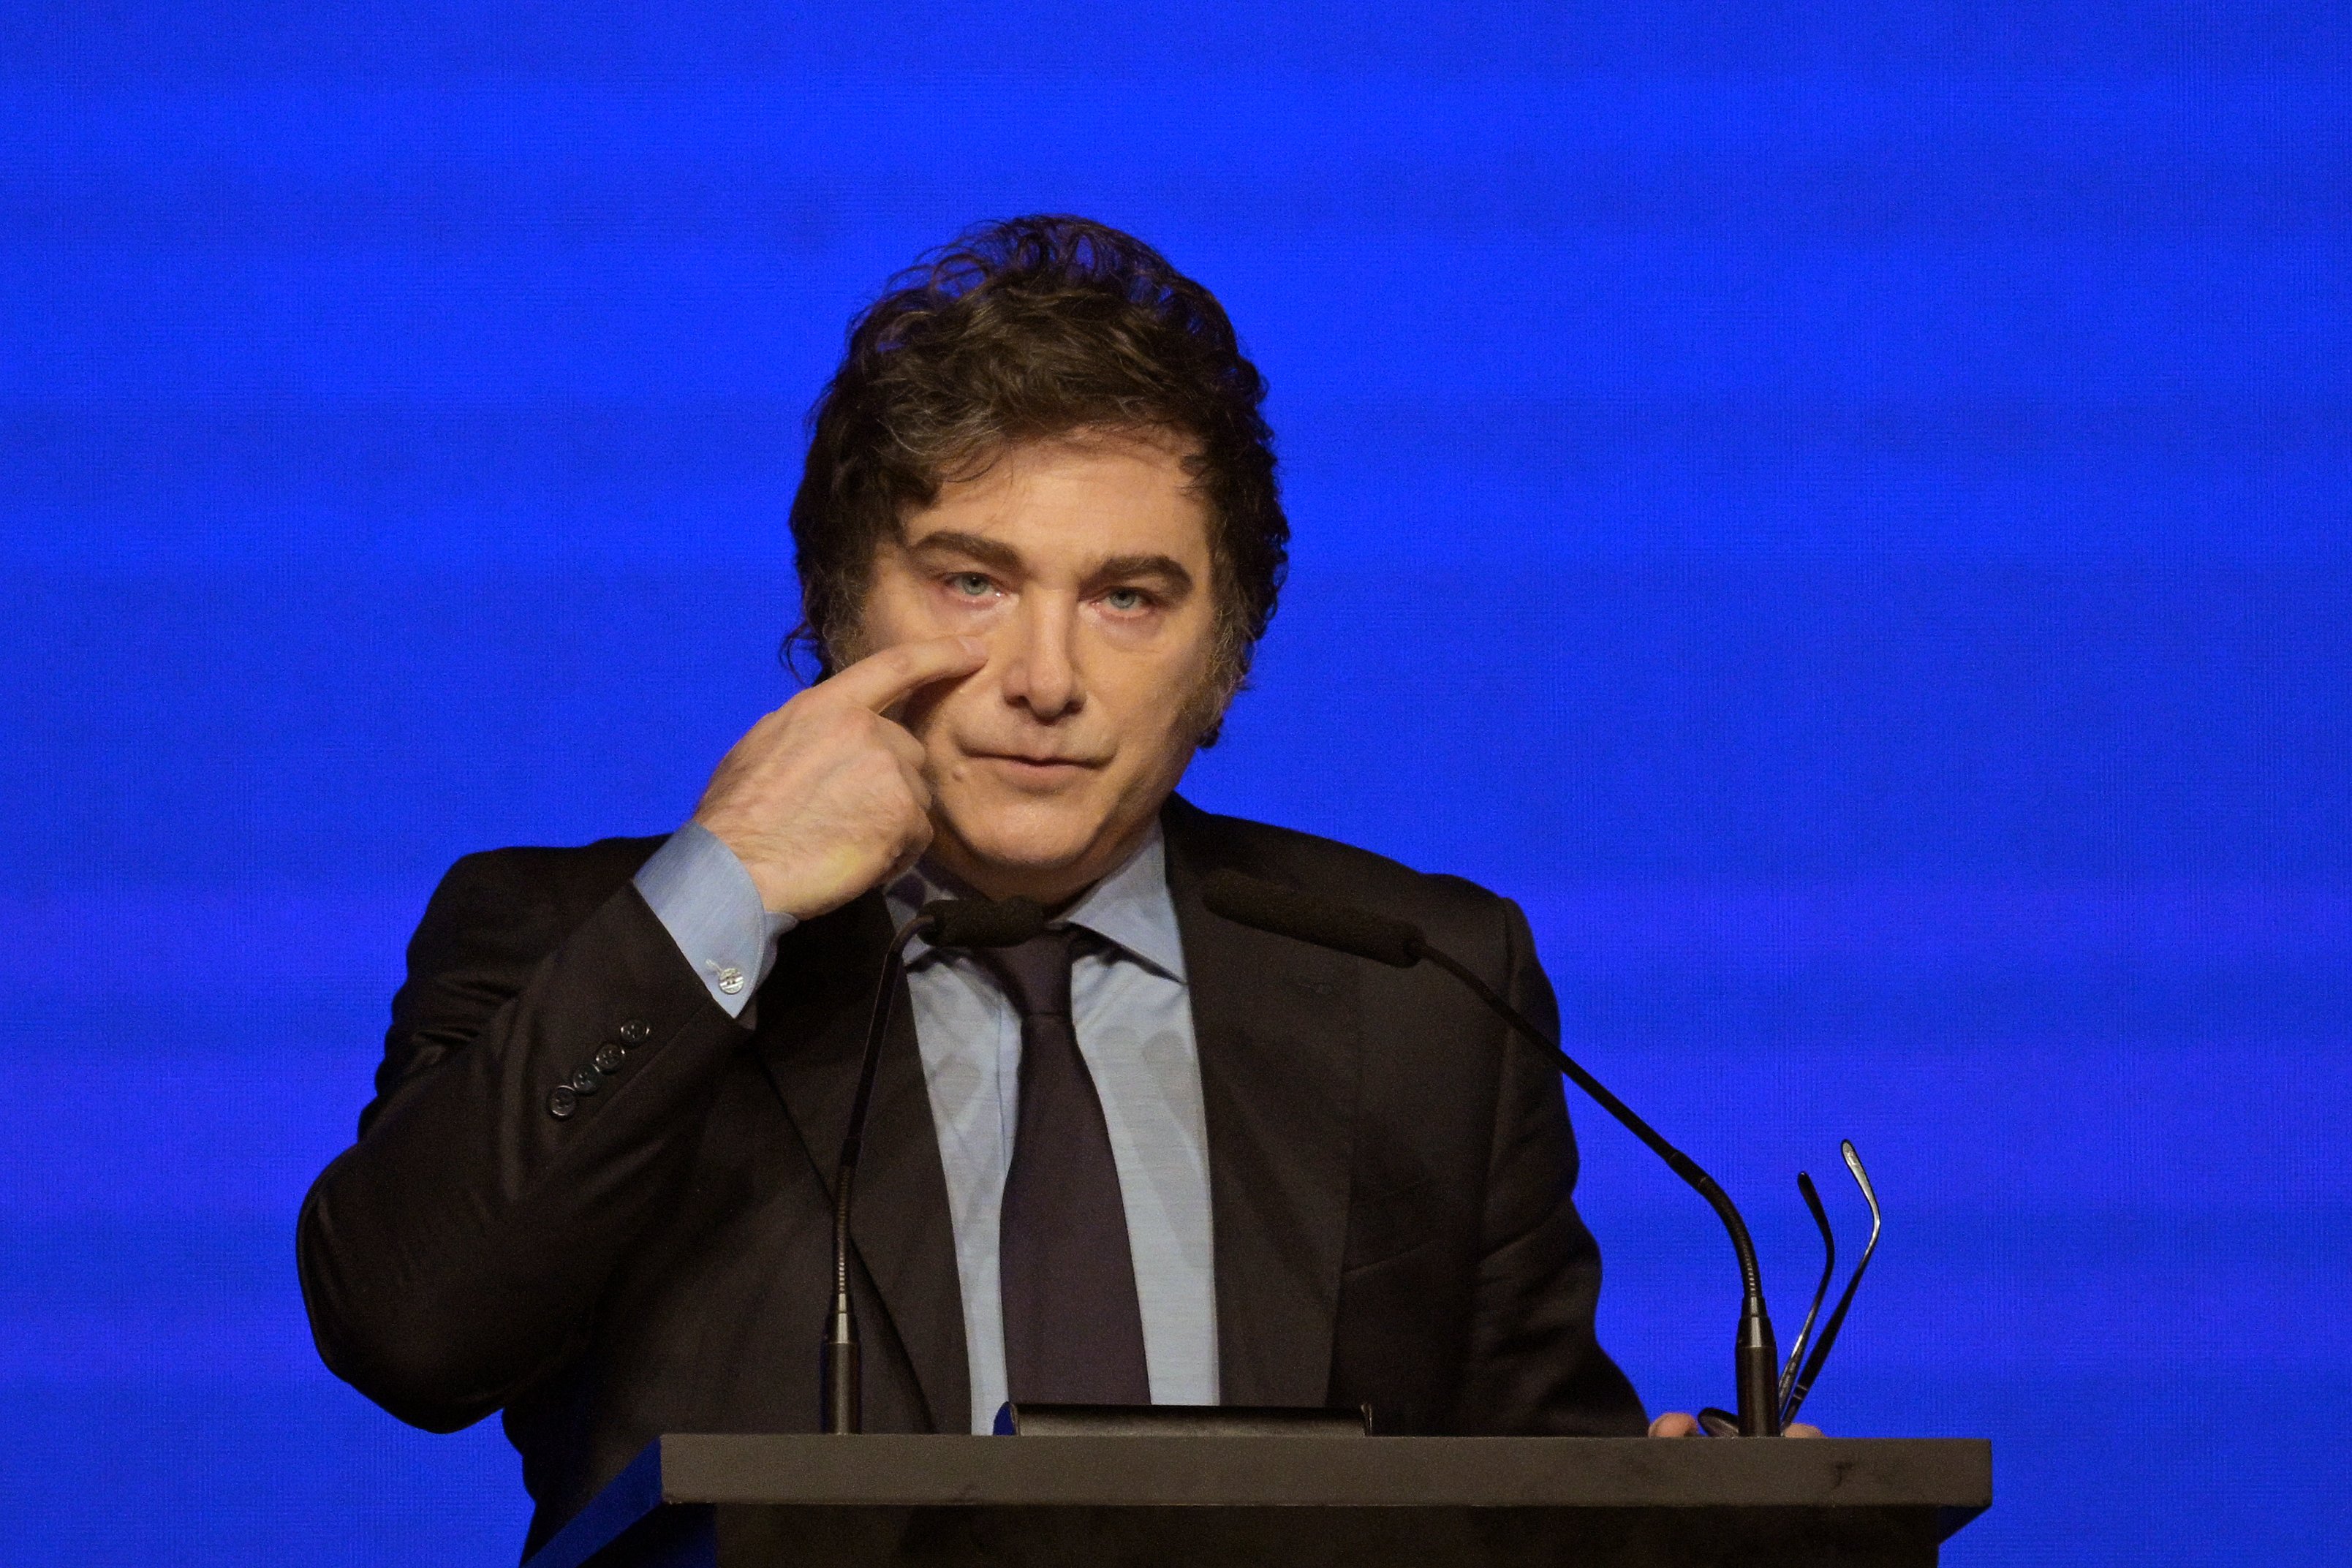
<point x="1134" y="1016"/>
<point x="711" y="906"/>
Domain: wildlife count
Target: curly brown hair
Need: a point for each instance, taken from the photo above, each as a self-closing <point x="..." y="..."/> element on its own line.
<point x="1024" y="329"/>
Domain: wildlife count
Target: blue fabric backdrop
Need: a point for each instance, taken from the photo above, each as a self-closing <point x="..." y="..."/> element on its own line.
<point x="1843" y="510"/>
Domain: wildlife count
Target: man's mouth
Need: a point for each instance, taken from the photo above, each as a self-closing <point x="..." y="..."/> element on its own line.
<point x="1037" y="766"/>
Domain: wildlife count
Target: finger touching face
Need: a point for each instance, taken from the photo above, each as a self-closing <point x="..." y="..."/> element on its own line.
<point x="885" y="681"/>
<point x="1082" y="566"/>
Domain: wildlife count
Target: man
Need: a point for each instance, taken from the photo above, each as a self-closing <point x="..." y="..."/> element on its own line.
<point x="1154" y="1156"/>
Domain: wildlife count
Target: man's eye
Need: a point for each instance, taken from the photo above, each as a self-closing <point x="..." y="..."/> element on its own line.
<point x="1126" y="599"/>
<point x="971" y="584"/>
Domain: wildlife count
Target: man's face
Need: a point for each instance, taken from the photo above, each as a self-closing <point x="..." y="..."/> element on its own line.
<point x="1083" y="564"/>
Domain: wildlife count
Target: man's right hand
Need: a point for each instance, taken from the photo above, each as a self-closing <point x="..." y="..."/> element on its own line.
<point x="824" y="797"/>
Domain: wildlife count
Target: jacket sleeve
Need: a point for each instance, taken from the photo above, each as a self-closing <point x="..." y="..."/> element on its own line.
<point x="1535" y="1366"/>
<point x="540" y="1088"/>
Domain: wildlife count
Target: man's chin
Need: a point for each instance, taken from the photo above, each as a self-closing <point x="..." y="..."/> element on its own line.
<point x="1022" y="844"/>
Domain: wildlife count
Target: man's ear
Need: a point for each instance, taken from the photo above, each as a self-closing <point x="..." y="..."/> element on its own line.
<point x="844" y="647"/>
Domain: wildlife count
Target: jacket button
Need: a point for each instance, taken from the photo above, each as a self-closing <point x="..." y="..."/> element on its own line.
<point x="609" y="1059"/>
<point x="587" y="1081"/>
<point x="562" y="1102"/>
<point x="636" y="1031"/>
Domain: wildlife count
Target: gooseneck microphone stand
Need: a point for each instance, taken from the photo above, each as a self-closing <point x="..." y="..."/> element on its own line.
<point x="1755" y="1356"/>
<point x="1286" y="912"/>
<point x="943" y="923"/>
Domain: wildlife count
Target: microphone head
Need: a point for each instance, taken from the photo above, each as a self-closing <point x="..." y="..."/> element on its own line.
<point x="982" y="923"/>
<point x="1303" y="917"/>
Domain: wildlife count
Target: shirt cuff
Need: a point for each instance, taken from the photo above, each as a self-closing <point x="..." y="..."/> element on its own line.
<point x="707" y="903"/>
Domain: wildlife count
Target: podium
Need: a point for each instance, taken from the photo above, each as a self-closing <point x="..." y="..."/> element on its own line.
<point x="750" y="1502"/>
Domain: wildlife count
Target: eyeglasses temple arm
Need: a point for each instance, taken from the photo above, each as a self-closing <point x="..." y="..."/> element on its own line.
<point x="1845" y="1298"/>
<point x="1813" y="1197"/>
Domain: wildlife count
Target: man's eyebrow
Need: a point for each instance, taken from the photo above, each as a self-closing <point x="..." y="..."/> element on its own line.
<point x="974" y="547"/>
<point x="1002" y="556"/>
<point x="1168" y="569"/>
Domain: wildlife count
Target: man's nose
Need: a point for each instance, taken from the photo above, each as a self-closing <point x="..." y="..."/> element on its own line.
<point x="1041" y="667"/>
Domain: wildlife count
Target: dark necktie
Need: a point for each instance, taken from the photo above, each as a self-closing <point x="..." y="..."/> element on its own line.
<point x="1072" y="1331"/>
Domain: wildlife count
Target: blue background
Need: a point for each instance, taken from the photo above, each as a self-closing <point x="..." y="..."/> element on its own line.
<point x="1845" y="511"/>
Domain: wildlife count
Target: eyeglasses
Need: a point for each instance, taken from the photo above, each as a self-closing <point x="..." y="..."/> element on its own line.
<point x="1797" y="1377"/>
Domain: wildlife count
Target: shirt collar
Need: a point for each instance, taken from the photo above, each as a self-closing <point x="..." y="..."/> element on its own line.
<point x="1130" y="908"/>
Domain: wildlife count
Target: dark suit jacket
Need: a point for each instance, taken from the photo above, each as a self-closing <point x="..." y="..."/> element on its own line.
<point x="1390" y="1176"/>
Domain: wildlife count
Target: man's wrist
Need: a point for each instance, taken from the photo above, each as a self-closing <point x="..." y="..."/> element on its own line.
<point x="705" y="897"/>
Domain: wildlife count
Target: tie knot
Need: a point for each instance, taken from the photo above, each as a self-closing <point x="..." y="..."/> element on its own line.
<point x="1035" y="975"/>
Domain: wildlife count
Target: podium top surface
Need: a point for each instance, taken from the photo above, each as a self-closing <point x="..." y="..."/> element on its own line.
<point x="1328" y="1472"/>
<point x="1952" y="1476"/>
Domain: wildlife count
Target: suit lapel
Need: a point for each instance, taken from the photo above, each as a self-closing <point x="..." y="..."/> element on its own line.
<point x="813" y="1016"/>
<point x="1276" y="1022"/>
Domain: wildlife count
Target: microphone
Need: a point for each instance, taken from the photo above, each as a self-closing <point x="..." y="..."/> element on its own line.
<point x="1286" y="912"/>
<point x="943" y="923"/>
